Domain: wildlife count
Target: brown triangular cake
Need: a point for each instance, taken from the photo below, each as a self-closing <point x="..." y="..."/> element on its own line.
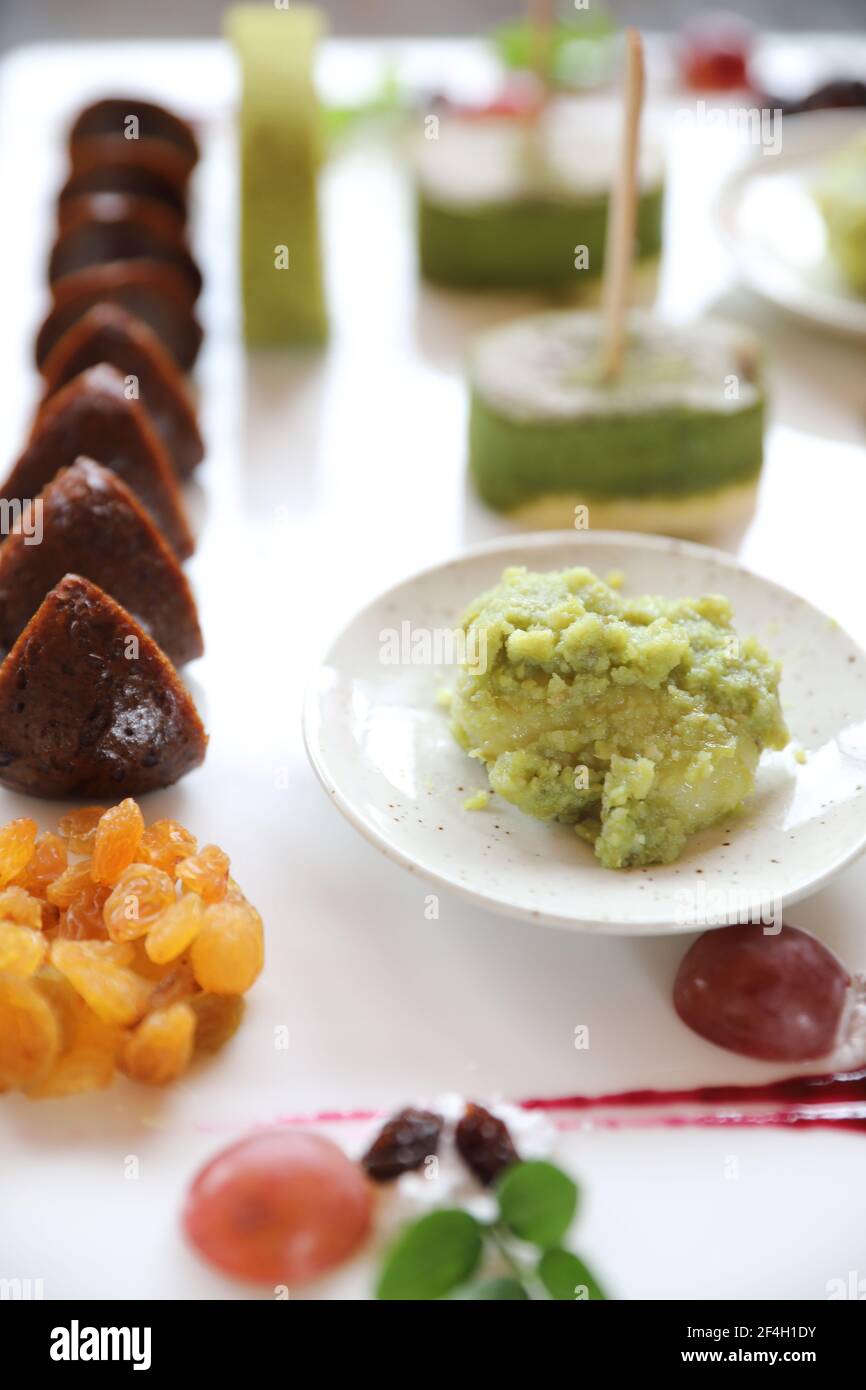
<point x="110" y="116"/>
<point x="122" y="177"/>
<point x="93" y="415"/>
<point x="109" y="333"/>
<point x="90" y="706"/>
<point x="173" y="163"/>
<point x="157" y="292"/>
<point x="92" y="525"/>
<point x="103" y="234"/>
<point x="72" y="211"/>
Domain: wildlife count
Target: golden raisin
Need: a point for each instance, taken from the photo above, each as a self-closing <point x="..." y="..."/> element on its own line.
<point x="29" y="1033"/>
<point x="228" y="952"/>
<point x="16" y="905"/>
<point x="205" y="873"/>
<point x="22" y="950"/>
<point x="114" y="993"/>
<point x="161" y="1046"/>
<point x="116" y="841"/>
<point x="48" y="861"/>
<point x="218" y="1018"/>
<point x="139" y="897"/>
<point x="67" y="1005"/>
<point x="87" y="1060"/>
<point x="17" y="841"/>
<point x="165" y="843"/>
<point x="66" y="887"/>
<point x="79" y="828"/>
<point x="102" y="964"/>
<point x="50" y="919"/>
<point x="144" y="966"/>
<point x="177" y="983"/>
<point x="174" y="929"/>
<point x="82" y="920"/>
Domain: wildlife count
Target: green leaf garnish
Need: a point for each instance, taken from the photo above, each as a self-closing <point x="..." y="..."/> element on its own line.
<point x="537" y="1202"/>
<point x="499" y="1289"/>
<point x="565" y="1276"/>
<point x="432" y="1257"/>
<point x="579" y="49"/>
<point x="384" y="103"/>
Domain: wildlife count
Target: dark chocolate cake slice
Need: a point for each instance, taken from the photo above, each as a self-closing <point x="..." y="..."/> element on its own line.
<point x="94" y="415"/>
<point x="101" y="233"/>
<point x="111" y="116"/>
<point x="109" y="333"/>
<point x="158" y="293"/>
<point x="89" y="704"/>
<point x="92" y="525"/>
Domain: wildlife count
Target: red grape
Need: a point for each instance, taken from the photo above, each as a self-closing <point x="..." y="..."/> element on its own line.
<point x="777" y="997"/>
<point x="282" y="1207"/>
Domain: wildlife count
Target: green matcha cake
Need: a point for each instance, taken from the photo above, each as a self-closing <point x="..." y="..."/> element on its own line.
<point x="507" y="202"/>
<point x="637" y="720"/>
<point x="672" y="444"/>
<point x="280" y="137"/>
<point x="841" y="197"/>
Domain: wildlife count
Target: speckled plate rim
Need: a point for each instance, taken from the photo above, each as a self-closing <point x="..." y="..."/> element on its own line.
<point x="815" y="133"/>
<point x="511" y="546"/>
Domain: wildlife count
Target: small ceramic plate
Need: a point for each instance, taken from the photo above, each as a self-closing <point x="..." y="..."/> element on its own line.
<point x="767" y="215"/>
<point x="380" y="743"/>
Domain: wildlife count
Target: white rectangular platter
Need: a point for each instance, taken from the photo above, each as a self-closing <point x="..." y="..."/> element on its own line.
<point x="327" y="478"/>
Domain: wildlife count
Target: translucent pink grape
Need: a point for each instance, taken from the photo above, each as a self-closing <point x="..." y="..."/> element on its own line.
<point x="279" y="1208"/>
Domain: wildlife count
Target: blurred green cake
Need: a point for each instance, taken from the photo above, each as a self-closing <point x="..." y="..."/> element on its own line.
<point x="280" y="140"/>
<point x="841" y="196"/>
<point x="521" y="202"/>
<point x="674" y="443"/>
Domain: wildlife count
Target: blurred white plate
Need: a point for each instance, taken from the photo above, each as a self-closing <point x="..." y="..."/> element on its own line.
<point x="771" y="224"/>
<point x="381" y="746"/>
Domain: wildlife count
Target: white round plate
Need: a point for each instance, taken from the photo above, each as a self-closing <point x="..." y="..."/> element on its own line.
<point x="380" y="744"/>
<point x="771" y="224"/>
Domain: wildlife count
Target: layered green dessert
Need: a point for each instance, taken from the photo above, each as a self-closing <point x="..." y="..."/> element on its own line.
<point x="280" y="139"/>
<point x="522" y="201"/>
<point x="673" y="443"/>
<point x="841" y="196"/>
<point x="638" y="721"/>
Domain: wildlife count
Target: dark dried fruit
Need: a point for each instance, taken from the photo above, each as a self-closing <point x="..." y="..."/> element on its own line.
<point x="402" y="1144"/>
<point x="484" y="1144"/>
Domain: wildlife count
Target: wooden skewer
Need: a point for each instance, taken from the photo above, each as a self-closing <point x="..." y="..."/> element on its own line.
<point x="541" y="15"/>
<point x="622" y="215"/>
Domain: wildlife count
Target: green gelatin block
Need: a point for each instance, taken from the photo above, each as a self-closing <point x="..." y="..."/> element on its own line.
<point x="841" y="196"/>
<point x="280" y="152"/>
<point x="683" y="418"/>
<point x="508" y="204"/>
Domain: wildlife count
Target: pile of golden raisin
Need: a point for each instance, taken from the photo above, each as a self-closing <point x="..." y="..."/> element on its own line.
<point x="120" y="947"/>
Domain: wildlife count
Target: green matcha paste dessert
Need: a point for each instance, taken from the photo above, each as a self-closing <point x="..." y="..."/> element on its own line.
<point x="672" y="443"/>
<point x="841" y="196"/>
<point x="520" y="202"/>
<point x="638" y="721"/>
<point x="280" y="137"/>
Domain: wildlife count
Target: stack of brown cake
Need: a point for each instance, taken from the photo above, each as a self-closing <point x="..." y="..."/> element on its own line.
<point x="95" y="610"/>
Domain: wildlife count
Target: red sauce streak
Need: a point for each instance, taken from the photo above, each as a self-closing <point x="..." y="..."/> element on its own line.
<point x="834" y="1101"/>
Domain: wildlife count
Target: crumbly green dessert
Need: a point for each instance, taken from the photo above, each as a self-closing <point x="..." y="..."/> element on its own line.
<point x="636" y="720"/>
<point x="674" y="443"/>
<point x="841" y="197"/>
<point x="505" y="202"/>
<point x="280" y="140"/>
